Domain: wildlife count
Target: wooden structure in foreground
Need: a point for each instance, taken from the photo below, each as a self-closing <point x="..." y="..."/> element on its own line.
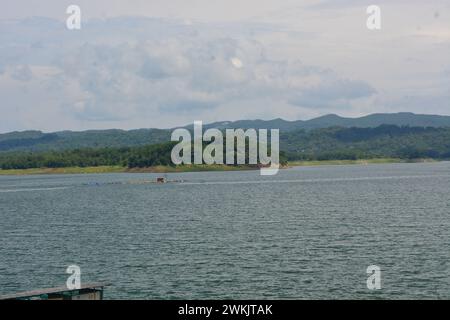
<point x="89" y="291"/>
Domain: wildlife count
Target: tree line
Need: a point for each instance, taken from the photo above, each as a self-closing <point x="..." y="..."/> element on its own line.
<point x="145" y="156"/>
<point x="335" y="143"/>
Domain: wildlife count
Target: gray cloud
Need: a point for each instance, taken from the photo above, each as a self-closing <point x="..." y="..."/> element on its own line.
<point x="176" y="70"/>
<point x="183" y="75"/>
<point x="140" y="72"/>
<point x="21" y="73"/>
<point x="337" y="93"/>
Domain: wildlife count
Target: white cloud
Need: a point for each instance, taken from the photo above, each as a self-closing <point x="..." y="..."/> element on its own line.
<point x="185" y="75"/>
<point x="279" y="61"/>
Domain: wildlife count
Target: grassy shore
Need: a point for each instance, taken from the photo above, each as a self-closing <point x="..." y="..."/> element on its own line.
<point x="196" y="168"/>
<point x="119" y="169"/>
<point x="190" y="168"/>
<point x="69" y="170"/>
<point x="359" y="161"/>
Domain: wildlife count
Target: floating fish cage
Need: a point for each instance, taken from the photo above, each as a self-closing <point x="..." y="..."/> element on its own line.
<point x="161" y="180"/>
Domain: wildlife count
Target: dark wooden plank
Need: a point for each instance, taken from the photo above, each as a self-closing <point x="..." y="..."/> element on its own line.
<point x="36" y="293"/>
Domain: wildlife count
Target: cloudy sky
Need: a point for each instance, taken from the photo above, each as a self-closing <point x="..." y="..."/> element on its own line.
<point x="164" y="63"/>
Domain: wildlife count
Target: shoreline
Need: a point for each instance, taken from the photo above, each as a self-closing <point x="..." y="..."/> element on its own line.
<point x="314" y="163"/>
<point x="199" y="168"/>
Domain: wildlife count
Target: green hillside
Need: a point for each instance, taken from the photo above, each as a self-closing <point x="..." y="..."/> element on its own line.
<point x="67" y="140"/>
<point x="335" y="143"/>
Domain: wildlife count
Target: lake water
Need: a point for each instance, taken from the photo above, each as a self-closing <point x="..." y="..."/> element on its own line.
<point x="308" y="232"/>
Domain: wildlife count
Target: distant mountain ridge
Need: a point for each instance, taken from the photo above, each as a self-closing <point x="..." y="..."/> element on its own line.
<point x="39" y="141"/>
<point x="333" y="120"/>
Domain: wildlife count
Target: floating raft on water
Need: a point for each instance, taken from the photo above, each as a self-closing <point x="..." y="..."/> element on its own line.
<point x="157" y="181"/>
<point x="90" y="291"/>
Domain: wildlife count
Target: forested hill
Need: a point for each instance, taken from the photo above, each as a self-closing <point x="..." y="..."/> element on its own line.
<point x="67" y="140"/>
<point x="334" y="143"/>
<point x="385" y="141"/>
<point x="402" y="119"/>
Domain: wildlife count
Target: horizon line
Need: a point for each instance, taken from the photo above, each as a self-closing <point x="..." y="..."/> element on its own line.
<point x="222" y="121"/>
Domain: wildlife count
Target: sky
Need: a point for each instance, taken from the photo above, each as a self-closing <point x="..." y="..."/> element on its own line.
<point x="162" y="64"/>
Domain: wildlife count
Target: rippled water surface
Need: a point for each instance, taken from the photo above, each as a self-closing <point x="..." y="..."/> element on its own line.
<point x="307" y="232"/>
